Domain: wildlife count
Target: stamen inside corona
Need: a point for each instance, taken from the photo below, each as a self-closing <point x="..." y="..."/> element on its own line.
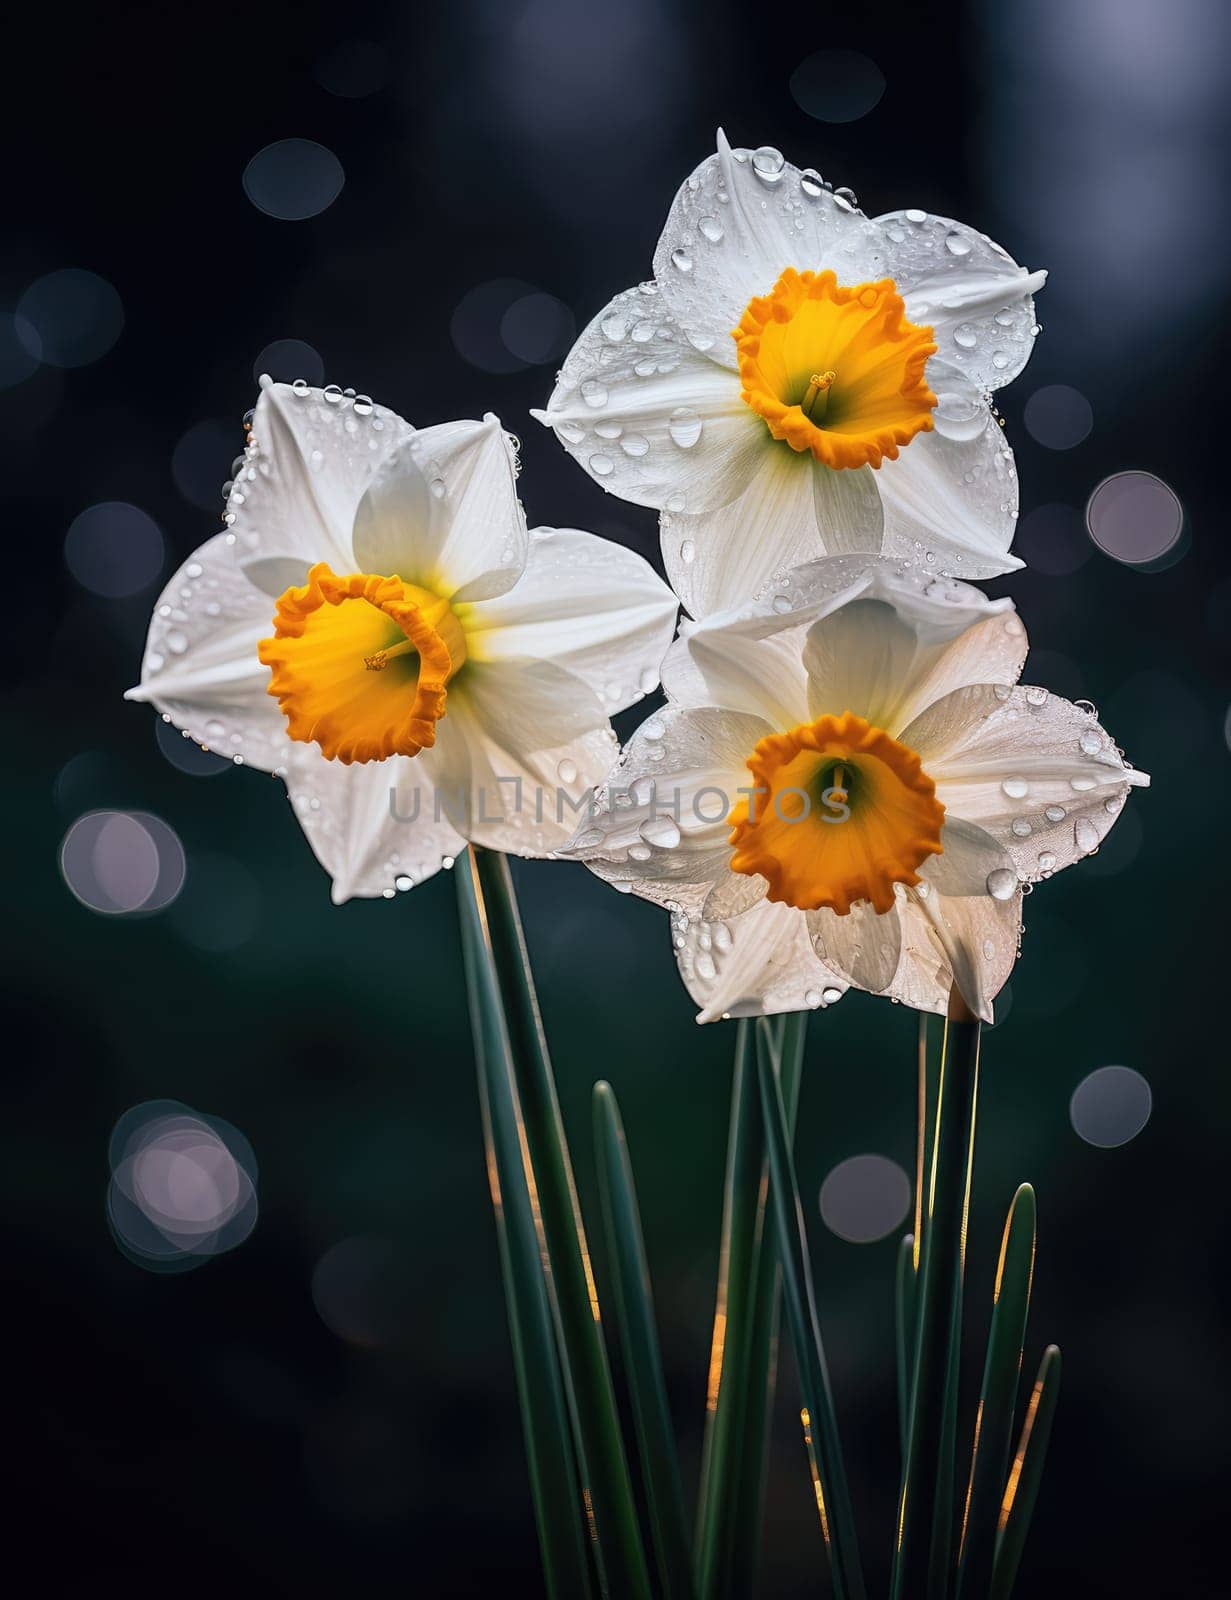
<point x="836" y="371"/>
<point x="839" y="812"/>
<point x="359" y="664"/>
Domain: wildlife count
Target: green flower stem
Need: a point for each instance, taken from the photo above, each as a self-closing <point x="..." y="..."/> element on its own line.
<point x="744" y="1353"/>
<point x="607" y="1488"/>
<point x="820" y="1423"/>
<point x="1025" y="1475"/>
<point x="554" y="1480"/>
<point x="634" y="1301"/>
<point x="924" y="1504"/>
<point x="904" y="1332"/>
<point x="994" y="1424"/>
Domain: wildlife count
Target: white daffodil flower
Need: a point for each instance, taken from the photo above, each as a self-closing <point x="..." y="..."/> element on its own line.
<point x="377" y="627"/>
<point x="848" y="787"/>
<point x="799" y="380"/>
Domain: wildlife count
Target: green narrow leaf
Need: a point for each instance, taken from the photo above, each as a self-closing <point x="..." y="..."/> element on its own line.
<point x="784" y="1039"/>
<point x="938" y="1312"/>
<point x="732" y="1322"/>
<point x="904" y="1330"/>
<point x="743" y="1356"/>
<point x="1025" y="1475"/>
<point x="643" y="1363"/>
<point x="820" y="1423"/>
<point x="600" y="1447"/>
<point x="994" y="1422"/>
<point x="552" y="1466"/>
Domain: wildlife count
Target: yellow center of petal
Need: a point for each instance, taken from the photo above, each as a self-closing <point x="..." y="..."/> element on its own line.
<point x="359" y="664"/>
<point x="835" y="371"/>
<point x="839" y="812"/>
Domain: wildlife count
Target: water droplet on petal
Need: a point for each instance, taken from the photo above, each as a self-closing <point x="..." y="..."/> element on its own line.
<point x="1085" y="834"/>
<point x="681" y="260"/>
<point x="688" y="551"/>
<point x="333" y="394"/>
<point x="567" y="771"/>
<point x="1001" y="883"/>
<point x="684" y="426"/>
<point x="966" y="335"/>
<point x="1015" y="788"/>
<point x="634" y="444"/>
<point x="601" y="466"/>
<point x="956" y="243"/>
<point x="768" y="163"/>
<point x="811" y="182"/>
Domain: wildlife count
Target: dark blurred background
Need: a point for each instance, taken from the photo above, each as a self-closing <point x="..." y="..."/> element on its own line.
<point x="330" y="1403"/>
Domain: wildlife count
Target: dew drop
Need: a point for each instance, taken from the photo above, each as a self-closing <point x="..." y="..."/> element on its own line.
<point x="594" y="393"/>
<point x="681" y="260"/>
<point x="615" y="326"/>
<point x="333" y="394"/>
<point x="602" y="466"/>
<point x="1055" y="813"/>
<point x="1085" y="835"/>
<point x="768" y="163"/>
<point x="966" y="335"/>
<point x="688" y="551"/>
<point x="1015" y="788"/>
<point x="956" y="243"/>
<point x="1090" y="742"/>
<point x="634" y="444"/>
<point x="684" y="426"/>
<point x="567" y="771"/>
<point x="1001" y="883"/>
<point x="811" y="182"/>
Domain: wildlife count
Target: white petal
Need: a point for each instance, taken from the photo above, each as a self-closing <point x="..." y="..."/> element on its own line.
<point x="953" y="503"/>
<point x="729" y="556"/>
<point x="863" y="945"/>
<point x="473" y="544"/>
<point x="649" y="416"/>
<point x="733" y="664"/>
<point x="848" y="509"/>
<point x="968" y="862"/>
<point x="905" y="641"/>
<point x="969" y="941"/>
<point x="309" y="464"/>
<point x="373" y="826"/>
<point x="735" y="226"/>
<point x="974" y="296"/>
<point x="519" y="747"/>
<point x="659" y="822"/>
<point x="201" y="666"/>
<point x="1036" y="772"/>
<point x="588" y="605"/>
<point x="759" y="963"/>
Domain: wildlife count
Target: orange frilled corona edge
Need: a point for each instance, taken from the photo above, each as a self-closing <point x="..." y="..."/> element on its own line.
<point x="836" y="371"/>
<point x="359" y="664"/>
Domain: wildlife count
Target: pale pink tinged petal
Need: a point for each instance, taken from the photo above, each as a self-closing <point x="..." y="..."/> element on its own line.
<point x="588" y="605"/>
<point x="974" y="296"/>
<point x="201" y="666"/>
<point x="472" y="543"/>
<point x="737" y="224"/>
<point x="864" y="945"/>
<point x="759" y="963"/>
<point x="734" y="554"/>
<point x="1036" y="772"/>
<point x="376" y="827"/>
<point x="517" y="752"/>
<point x="659" y="821"/>
<point x="951" y="503"/>
<point x="307" y="468"/>
<point x="651" y="418"/>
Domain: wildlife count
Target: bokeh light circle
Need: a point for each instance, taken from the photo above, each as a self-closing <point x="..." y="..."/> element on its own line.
<point x="1058" y="417"/>
<point x="186" y="755"/>
<point x="1052" y="539"/>
<point x="69" y="318"/>
<point x="865" y="1198"/>
<point x="363" y="1292"/>
<point x="1110" y="1107"/>
<point x="1135" y="517"/>
<point x="114" y="549"/>
<point x="17" y="361"/>
<point x="183" y="1186"/>
<point x="287" y="359"/>
<point x="117" y="862"/>
<point x="354" y="69"/>
<point x="293" y="179"/>
<point x="538" y="328"/>
<point x="837" y="85"/>
<point x="201" y="462"/>
<point x="477" y="323"/>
